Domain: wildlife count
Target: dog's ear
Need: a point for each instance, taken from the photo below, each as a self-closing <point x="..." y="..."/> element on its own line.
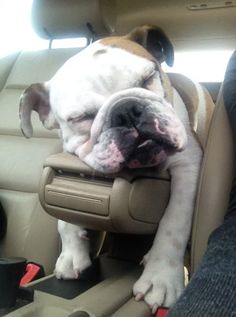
<point x="155" y="41"/>
<point x="36" y="97"/>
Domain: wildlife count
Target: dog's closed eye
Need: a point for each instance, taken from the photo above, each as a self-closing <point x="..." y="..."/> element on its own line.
<point x="81" y="118"/>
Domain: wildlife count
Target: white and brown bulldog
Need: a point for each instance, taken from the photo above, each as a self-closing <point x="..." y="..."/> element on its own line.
<point x="116" y="108"/>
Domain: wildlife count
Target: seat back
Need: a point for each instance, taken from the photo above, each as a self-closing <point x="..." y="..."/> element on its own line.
<point x="215" y="182"/>
<point x="217" y="167"/>
<point x="30" y="232"/>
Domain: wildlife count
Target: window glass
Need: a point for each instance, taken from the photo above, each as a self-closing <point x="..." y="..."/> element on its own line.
<point x="202" y="66"/>
<point x="16" y="32"/>
<point x="65" y="43"/>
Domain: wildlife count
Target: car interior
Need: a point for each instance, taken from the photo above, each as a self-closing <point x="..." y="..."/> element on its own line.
<point x="40" y="184"/>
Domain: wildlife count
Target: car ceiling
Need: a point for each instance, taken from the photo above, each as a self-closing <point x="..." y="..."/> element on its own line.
<point x="190" y="25"/>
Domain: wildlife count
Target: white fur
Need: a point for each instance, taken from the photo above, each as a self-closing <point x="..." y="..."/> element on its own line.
<point x="162" y="280"/>
<point x="74" y="257"/>
<point x="89" y="82"/>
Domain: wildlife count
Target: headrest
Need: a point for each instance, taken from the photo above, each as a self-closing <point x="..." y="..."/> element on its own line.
<point x="53" y="19"/>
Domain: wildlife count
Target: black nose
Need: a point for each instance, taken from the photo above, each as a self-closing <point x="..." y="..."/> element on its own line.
<point x="126" y="114"/>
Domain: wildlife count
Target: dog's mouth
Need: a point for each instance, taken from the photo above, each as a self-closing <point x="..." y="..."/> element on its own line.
<point x="120" y="147"/>
<point x="150" y="152"/>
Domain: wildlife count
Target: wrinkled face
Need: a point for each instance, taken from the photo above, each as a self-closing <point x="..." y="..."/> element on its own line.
<point x="109" y="120"/>
<point x="110" y="105"/>
<point x="139" y="130"/>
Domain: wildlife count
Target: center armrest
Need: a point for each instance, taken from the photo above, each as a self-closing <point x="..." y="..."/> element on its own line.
<point x="131" y="201"/>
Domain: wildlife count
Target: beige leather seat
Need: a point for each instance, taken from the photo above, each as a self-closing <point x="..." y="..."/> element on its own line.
<point x="215" y="182"/>
<point x="31" y="232"/>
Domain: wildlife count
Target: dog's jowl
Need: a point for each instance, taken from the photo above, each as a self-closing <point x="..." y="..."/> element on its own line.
<point x="116" y="108"/>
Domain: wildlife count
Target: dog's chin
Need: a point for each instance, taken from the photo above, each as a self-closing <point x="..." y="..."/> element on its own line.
<point x="150" y="153"/>
<point x="154" y="160"/>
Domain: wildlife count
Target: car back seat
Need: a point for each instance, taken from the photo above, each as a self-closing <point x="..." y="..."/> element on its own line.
<point x="215" y="182"/>
<point x="31" y="232"/>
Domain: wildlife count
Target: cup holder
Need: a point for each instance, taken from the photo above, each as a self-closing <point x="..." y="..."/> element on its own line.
<point x="11" y="272"/>
<point x="12" y="296"/>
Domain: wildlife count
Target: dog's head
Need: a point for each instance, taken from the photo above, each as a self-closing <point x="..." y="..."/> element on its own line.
<point x="112" y="103"/>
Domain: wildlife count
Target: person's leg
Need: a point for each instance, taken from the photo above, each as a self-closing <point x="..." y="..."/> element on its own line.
<point x="212" y="289"/>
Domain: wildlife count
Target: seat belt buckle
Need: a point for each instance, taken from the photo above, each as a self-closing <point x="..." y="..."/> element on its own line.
<point x="162" y="312"/>
<point x="33" y="272"/>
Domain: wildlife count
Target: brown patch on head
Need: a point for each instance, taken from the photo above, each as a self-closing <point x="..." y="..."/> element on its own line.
<point x="148" y="41"/>
<point x="136" y="49"/>
<point x="128" y="45"/>
<point x="155" y="41"/>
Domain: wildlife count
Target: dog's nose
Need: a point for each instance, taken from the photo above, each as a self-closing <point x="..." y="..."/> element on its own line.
<point x="127" y="114"/>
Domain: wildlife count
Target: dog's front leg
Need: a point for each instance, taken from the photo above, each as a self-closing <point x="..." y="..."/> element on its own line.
<point x="74" y="257"/>
<point x="162" y="280"/>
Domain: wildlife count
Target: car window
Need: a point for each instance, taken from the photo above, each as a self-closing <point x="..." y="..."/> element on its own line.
<point x="16" y="31"/>
<point x="15" y="27"/>
<point x="17" y="34"/>
<point x="202" y="66"/>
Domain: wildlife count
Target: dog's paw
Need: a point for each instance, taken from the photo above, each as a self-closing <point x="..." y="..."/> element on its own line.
<point x="160" y="284"/>
<point x="69" y="265"/>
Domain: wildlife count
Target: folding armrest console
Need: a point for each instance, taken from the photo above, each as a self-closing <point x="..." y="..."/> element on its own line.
<point x="128" y="202"/>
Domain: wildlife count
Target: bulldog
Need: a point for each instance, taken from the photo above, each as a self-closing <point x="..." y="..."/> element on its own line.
<point x="116" y="108"/>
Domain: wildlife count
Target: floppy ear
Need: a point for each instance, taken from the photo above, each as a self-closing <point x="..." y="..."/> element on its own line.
<point x="155" y="41"/>
<point x="36" y="97"/>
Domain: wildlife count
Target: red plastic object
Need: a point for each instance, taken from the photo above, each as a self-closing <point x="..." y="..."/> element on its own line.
<point x="32" y="271"/>
<point x="162" y="312"/>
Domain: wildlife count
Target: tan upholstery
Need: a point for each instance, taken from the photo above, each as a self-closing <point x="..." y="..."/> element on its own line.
<point x="215" y="183"/>
<point x="31" y="232"/>
<point x="132" y="201"/>
<point x="111" y="297"/>
<point x="70" y="18"/>
<point x="81" y="18"/>
<point x="22" y="161"/>
<point x="128" y="202"/>
<point x="211" y="205"/>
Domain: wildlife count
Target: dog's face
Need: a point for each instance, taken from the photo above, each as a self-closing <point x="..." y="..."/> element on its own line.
<point x="111" y="103"/>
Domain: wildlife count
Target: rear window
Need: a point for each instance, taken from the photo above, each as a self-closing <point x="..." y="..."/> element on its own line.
<point x="16" y="32"/>
<point x="202" y="66"/>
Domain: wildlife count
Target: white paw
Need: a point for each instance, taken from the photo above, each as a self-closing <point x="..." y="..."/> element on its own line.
<point x="160" y="284"/>
<point x="69" y="265"/>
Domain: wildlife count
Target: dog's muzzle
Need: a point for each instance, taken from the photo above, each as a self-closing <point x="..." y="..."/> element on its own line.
<point x="137" y="128"/>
